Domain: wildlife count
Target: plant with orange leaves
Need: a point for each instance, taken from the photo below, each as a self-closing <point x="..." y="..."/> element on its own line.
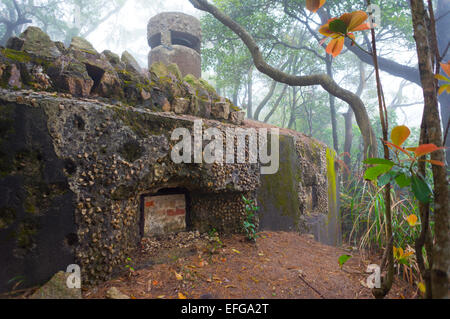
<point x="444" y="87"/>
<point x="343" y="27"/>
<point x="403" y="170"/>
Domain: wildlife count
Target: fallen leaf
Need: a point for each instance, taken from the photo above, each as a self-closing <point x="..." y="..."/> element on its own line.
<point x="230" y="286"/>
<point x="421" y="287"/>
<point x="178" y="276"/>
<point x="161" y="296"/>
<point x="181" y="296"/>
<point x="236" y="251"/>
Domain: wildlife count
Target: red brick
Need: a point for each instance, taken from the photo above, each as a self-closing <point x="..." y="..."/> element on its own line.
<point x="178" y="211"/>
<point x="150" y="204"/>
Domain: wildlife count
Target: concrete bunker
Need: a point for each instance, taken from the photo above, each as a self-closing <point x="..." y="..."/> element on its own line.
<point x="175" y="37"/>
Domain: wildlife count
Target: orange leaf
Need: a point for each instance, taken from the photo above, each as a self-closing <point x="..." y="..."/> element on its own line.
<point x="412" y="220"/>
<point x="446" y="67"/>
<point x="356" y="21"/>
<point x="425" y="149"/>
<point x="181" y="296"/>
<point x="335" y="46"/>
<point x="434" y="162"/>
<point x="399" y="134"/>
<point x="314" y="5"/>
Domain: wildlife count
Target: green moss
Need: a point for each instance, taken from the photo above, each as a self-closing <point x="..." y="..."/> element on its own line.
<point x="281" y="189"/>
<point x="18" y="56"/>
<point x="6" y="129"/>
<point x="131" y="151"/>
<point x="192" y="80"/>
<point x="331" y="175"/>
<point x="25" y="234"/>
<point x="122" y="192"/>
<point x="7" y="217"/>
<point x="159" y="69"/>
<point x="211" y="90"/>
<point x="173" y="68"/>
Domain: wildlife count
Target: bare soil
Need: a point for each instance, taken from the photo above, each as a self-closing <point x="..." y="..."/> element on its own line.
<point x="278" y="265"/>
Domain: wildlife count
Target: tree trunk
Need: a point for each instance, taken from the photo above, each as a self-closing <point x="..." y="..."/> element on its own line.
<point x="443" y="39"/>
<point x="249" y="93"/>
<point x="276" y="104"/>
<point x="265" y="100"/>
<point x="432" y="124"/>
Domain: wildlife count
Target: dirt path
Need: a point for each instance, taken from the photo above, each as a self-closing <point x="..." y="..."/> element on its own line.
<point x="279" y="265"/>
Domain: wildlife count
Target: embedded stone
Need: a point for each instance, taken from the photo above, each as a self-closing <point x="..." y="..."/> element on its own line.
<point x="220" y="110"/>
<point x="181" y="105"/>
<point x="82" y="44"/>
<point x="36" y="42"/>
<point x="237" y="117"/>
<point x="14" y="79"/>
<point x="130" y="62"/>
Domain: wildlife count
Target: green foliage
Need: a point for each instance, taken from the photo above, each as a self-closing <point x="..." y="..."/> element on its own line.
<point x="363" y="214"/>
<point x="129" y="266"/>
<point x="343" y="259"/>
<point x="248" y="224"/>
<point x="214" y="239"/>
<point x="403" y="170"/>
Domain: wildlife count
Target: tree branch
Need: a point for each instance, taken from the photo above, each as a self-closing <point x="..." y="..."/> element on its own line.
<point x="370" y="143"/>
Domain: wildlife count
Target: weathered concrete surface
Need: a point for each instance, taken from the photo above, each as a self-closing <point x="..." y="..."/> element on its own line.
<point x="73" y="171"/>
<point x="36" y="204"/>
<point x="303" y="195"/>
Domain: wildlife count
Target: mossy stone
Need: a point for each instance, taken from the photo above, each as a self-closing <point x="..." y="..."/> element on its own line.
<point x="159" y="69"/>
<point x="175" y="70"/>
<point x="38" y="43"/>
<point x="81" y="44"/>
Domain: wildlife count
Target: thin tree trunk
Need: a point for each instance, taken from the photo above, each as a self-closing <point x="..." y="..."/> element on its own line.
<point x="293" y="108"/>
<point x="432" y="125"/>
<point x="348" y="118"/>
<point x="249" y="93"/>
<point x="265" y="100"/>
<point x="276" y="104"/>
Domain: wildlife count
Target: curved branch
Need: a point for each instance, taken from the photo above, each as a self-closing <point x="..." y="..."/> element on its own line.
<point x="362" y="118"/>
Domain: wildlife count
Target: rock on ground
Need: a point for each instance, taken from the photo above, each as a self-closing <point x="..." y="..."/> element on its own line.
<point x="57" y="288"/>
